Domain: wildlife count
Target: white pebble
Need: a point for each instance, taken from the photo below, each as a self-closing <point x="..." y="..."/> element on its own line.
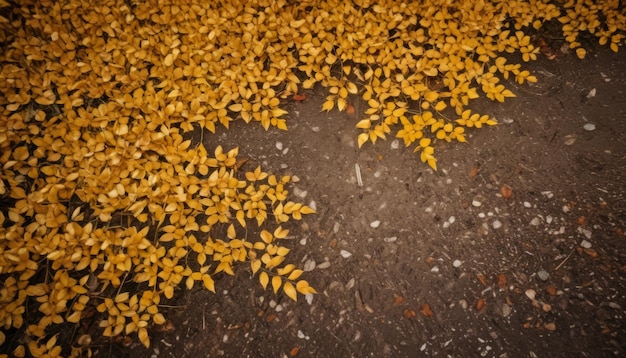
<point x="374" y="224"/>
<point x="336" y="227"/>
<point x="303" y="242"/>
<point x="587" y="233"/>
<point x="527" y="205"/>
<point x="457" y="263"/>
<point x="324" y="265"/>
<point x="279" y="145"/>
<point x="589" y="127"/>
<point x="435" y="269"/>
<point x="530" y="293"/>
<point x="476" y="203"/>
<point x="446" y="225"/>
<point x="278" y="308"/>
<point x="395" y="144"/>
<point x="309" y="298"/>
<point x="549" y="219"/>
<point x="548" y="194"/>
<point x="451" y="219"/>
<point x="535" y="221"/>
<point x="585" y="244"/>
<point x="390" y="239"/>
<point x="285" y="151"/>
<point x="316" y="129"/>
<point x="313" y="205"/>
<point x="591" y="93"/>
<point x="565" y="208"/>
<point x="463" y="304"/>
<point x="481" y="215"/>
<point x="496" y="224"/>
<point x="309" y="265"/>
<point x="345" y="254"/>
<point x="225" y="339"/>
<point x="272" y="304"/>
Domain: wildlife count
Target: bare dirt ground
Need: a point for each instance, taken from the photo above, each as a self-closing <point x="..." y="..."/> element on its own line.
<point x="457" y="266"/>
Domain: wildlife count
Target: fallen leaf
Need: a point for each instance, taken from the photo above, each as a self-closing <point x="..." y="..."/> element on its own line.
<point x="508" y="301"/>
<point x="483" y="279"/>
<point x="480" y="304"/>
<point x="619" y="231"/>
<point x="299" y="97"/>
<point x="350" y="110"/>
<point x="581" y="221"/>
<point x="551" y="290"/>
<point x="501" y="280"/>
<point x="398" y="300"/>
<point x="271" y="317"/>
<point x="409" y="313"/>
<point x="294" y="351"/>
<point x="506" y="191"/>
<point x="473" y="172"/>
<point x="591" y="253"/>
<point x="426" y="311"/>
<point x="550" y="326"/>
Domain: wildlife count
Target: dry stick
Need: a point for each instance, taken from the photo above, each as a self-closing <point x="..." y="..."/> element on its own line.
<point x="563" y="262"/>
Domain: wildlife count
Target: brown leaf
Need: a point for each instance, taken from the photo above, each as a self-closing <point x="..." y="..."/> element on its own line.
<point x="591" y="253"/>
<point x="426" y="311"/>
<point x="398" y="300"/>
<point x="483" y="279"/>
<point x="619" y="231"/>
<point x="299" y="97"/>
<point x="582" y="220"/>
<point x="271" y="317"/>
<point x="550" y="326"/>
<point x="473" y="172"/>
<point x="409" y="313"/>
<point x="294" y="351"/>
<point x="480" y="304"/>
<point x="551" y="290"/>
<point x="506" y="191"/>
<point x="350" y="110"/>
<point x="501" y="280"/>
<point x="508" y="301"/>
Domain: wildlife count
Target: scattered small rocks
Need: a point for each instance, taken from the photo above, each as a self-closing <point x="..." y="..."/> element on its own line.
<point x="309" y="265"/>
<point x="585" y="244"/>
<point x="530" y="293"/>
<point x="279" y="145"/>
<point x="535" y="221"/>
<point x="528" y="205"/>
<point x="457" y="263"/>
<point x="496" y="224"/>
<point x="374" y="224"/>
<point x="463" y="304"/>
<point x="345" y="254"/>
<point x="435" y="269"/>
<point x="395" y="144"/>
<point x="476" y="203"/>
<point x="324" y="265"/>
<point x="390" y="239"/>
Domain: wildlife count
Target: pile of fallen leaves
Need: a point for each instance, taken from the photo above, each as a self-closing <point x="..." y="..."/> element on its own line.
<point x="104" y="203"/>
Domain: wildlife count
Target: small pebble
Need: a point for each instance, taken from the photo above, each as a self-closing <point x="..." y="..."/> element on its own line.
<point x="451" y="220"/>
<point x="496" y="224"/>
<point x="476" y="203"/>
<point x="481" y="215"/>
<point x="463" y="304"/>
<point x="345" y="254"/>
<point x="587" y="233"/>
<point x="390" y="239"/>
<point x="589" y="127"/>
<point x="535" y="221"/>
<point x="549" y="219"/>
<point x="336" y="227"/>
<point x="316" y="129"/>
<point x="324" y="265"/>
<point x="309" y="265"/>
<point x="585" y="244"/>
<point x="313" y="205"/>
<point x="395" y="144"/>
<point x="530" y="293"/>
<point x="303" y="242"/>
<point x="527" y="205"/>
<point x="350" y="283"/>
<point x="565" y="208"/>
<point x="278" y="308"/>
<point x="435" y="269"/>
<point x="614" y="305"/>
<point x="506" y="310"/>
<point x="309" y="298"/>
<point x="543" y="275"/>
<point x="457" y="263"/>
<point x="279" y="145"/>
<point x="374" y="224"/>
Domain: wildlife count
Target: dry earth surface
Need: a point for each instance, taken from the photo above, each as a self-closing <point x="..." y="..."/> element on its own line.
<point x="445" y="264"/>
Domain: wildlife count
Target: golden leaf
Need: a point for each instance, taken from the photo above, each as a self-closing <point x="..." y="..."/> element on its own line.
<point x="276" y="283"/>
<point x="264" y="279"/>
<point x="290" y="291"/>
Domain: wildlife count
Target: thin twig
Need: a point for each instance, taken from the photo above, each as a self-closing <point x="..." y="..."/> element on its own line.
<point x="563" y="262"/>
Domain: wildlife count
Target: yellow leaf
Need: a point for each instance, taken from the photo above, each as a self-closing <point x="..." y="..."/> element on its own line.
<point x="307" y="210"/>
<point x="230" y="233"/>
<point x="276" y="283"/>
<point x="290" y="291"/>
<point x="440" y="106"/>
<point x="295" y="274"/>
<point x="341" y="104"/>
<point x="209" y="284"/>
<point x="303" y="287"/>
<point x="362" y="138"/>
<point x="364" y="124"/>
<point x="352" y="88"/>
<point x="285" y="270"/>
<point x="328" y="105"/>
<point x="282" y="251"/>
<point x="264" y="279"/>
<point x="142" y="334"/>
<point x="581" y="53"/>
<point x="255" y="265"/>
<point x="267" y="237"/>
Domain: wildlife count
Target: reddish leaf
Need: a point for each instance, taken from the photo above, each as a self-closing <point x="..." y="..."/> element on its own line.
<point x="408" y="313"/>
<point x="473" y="172"/>
<point x="299" y="97"/>
<point x="483" y="279"/>
<point x="551" y="290"/>
<point x="398" y="300"/>
<point x="426" y="311"/>
<point x="506" y="191"/>
<point x="350" y="110"/>
<point x="501" y="280"/>
<point x="480" y="304"/>
<point x="294" y="351"/>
